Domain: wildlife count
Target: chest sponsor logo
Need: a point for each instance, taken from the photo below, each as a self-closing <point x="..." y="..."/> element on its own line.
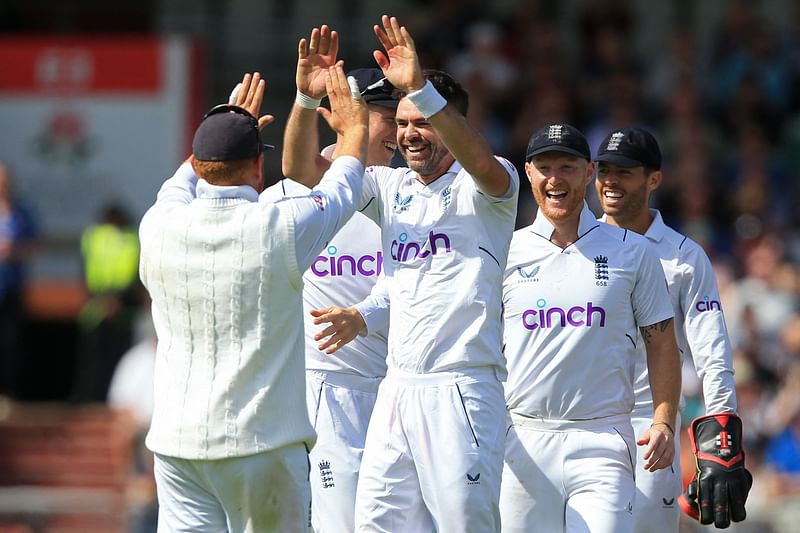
<point x="335" y="264"/>
<point x="546" y="317"/>
<point x="707" y="304"/>
<point x="404" y="250"/>
<point x="401" y="203"/>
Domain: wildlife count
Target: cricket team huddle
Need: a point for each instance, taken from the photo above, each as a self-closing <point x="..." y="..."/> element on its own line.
<point x="373" y="348"/>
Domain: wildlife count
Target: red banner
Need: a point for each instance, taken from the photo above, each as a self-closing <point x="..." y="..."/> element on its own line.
<point x="83" y="65"/>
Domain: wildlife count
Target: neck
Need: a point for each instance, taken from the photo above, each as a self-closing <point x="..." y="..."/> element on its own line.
<point x="639" y="223"/>
<point x="565" y="232"/>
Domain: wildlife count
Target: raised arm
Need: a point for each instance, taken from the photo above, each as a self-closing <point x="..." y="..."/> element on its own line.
<point x="301" y="158"/>
<point x="332" y="202"/>
<point x="400" y="65"/>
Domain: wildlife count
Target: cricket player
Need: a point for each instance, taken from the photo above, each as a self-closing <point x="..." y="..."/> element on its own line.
<point x="629" y="171"/>
<point x="434" y="449"/>
<point x="575" y="295"/>
<point x="230" y="428"/>
<point x="341" y="389"/>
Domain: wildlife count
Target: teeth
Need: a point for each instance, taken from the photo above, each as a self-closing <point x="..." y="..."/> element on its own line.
<point x="613" y="194"/>
<point x="390" y="146"/>
<point x="556" y="194"/>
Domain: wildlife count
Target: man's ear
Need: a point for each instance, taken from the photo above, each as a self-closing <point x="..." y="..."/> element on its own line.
<point x="591" y="169"/>
<point x="654" y="180"/>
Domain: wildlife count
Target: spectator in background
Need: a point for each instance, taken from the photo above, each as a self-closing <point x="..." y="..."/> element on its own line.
<point x="110" y="253"/>
<point x="17" y="243"/>
<point x="131" y="390"/>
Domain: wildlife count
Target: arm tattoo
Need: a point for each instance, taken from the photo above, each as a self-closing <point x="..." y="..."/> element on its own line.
<point x="647" y="331"/>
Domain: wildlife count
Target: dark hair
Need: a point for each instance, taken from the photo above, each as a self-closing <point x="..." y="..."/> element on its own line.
<point x="450" y="89"/>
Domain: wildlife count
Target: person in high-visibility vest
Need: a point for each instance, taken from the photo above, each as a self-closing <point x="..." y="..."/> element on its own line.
<point x="110" y="254"/>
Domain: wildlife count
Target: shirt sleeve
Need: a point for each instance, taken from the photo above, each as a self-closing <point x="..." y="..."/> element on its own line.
<point x="375" y="307"/>
<point x="320" y="214"/>
<point x="707" y="334"/>
<point x="651" y="301"/>
<point x="178" y="190"/>
<point x="513" y="182"/>
<point x="369" y="203"/>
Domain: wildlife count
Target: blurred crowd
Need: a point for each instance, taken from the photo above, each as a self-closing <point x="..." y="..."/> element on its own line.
<point x="728" y="121"/>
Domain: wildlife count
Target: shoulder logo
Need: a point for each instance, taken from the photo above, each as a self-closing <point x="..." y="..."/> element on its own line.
<point x="401" y="204"/>
<point x="530" y="273"/>
<point x="668" y="503"/>
<point x="319" y="200"/>
<point x="474" y="480"/>
<point x="601" y="268"/>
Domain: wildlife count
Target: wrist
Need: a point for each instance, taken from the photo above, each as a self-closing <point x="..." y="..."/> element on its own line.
<point x="427" y="100"/>
<point x="666" y="425"/>
<point x="305" y="101"/>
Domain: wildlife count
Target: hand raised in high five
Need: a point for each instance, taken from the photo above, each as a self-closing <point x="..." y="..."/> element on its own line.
<point x="314" y="57"/>
<point x="348" y="115"/>
<point x="400" y="63"/>
<point x="249" y="94"/>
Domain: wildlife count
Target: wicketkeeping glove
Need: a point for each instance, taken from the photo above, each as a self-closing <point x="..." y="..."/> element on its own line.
<point x="718" y="491"/>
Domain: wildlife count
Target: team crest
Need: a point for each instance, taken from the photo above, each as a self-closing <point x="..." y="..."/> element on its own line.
<point x="446" y="198"/>
<point x="613" y="142"/>
<point x="401" y="204"/>
<point x="601" y="268"/>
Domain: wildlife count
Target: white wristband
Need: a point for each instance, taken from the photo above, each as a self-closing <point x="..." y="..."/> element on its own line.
<point x="427" y="100"/>
<point x="305" y="101"/>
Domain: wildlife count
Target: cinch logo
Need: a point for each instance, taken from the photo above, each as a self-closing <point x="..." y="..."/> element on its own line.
<point x="707" y="304"/>
<point x="342" y="265"/>
<point x="408" y="251"/>
<point x="548" y="317"/>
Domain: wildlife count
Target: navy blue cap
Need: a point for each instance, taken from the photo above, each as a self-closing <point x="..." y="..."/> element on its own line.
<point x="374" y="87"/>
<point x="558" y="137"/>
<point x="228" y="133"/>
<point x="630" y="147"/>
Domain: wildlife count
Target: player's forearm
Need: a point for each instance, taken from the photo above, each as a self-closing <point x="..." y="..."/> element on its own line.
<point x="664" y="370"/>
<point x="471" y="150"/>
<point x="353" y="142"/>
<point x="301" y="160"/>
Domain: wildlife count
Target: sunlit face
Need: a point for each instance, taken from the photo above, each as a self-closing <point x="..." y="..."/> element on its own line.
<point x="420" y="146"/>
<point x="623" y="191"/>
<point x="382" y="135"/>
<point x="558" y="181"/>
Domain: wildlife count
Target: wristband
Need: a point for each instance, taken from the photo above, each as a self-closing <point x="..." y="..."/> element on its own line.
<point x="668" y="427"/>
<point x="427" y="100"/>
<point x="305" y="101"/>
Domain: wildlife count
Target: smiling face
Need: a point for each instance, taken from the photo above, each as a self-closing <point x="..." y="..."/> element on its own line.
<point x="559" y="181"/>
<point x="624" y="194"/>
<point x="420" y="146"/>
<point x="382" y="135"/>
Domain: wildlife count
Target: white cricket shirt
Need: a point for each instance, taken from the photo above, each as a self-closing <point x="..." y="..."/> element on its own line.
<point x="572" y="318"/>
<point x="341" y="275"/>
<point x="699" y="322"/>
<point x="444" y="252"/>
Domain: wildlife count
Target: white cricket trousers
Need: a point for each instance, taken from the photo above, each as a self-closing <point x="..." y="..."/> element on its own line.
<point x="261" y="493"/>
<point x="434" y="454"/>
<point x="571" y="476"/>
<point x="656" y="508"/>
<point x="340" y="406"/>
